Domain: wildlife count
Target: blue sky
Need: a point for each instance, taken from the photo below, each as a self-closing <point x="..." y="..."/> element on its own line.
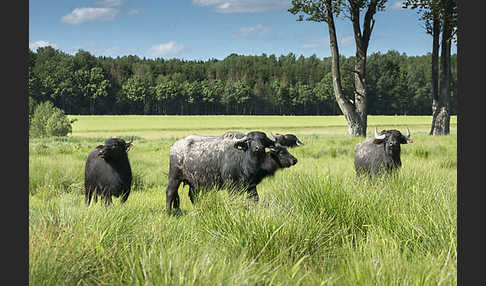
<point x="205" y="29"/>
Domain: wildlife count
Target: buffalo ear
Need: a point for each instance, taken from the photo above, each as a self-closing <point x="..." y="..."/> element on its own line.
<point x="128" y="146"/>
<point x="100" y="149"/>
<point x="270" y="143"/>
<point x="278" y="145"/>
<point x="242" y="145"/>
<point x="406" y="140"/>
<point x="275" y="148"/>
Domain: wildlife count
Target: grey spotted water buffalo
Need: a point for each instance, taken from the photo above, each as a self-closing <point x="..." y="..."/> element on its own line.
<point x="107" y="172"/>
<point x="381" y="153"/>
<point x="235" y="161"/>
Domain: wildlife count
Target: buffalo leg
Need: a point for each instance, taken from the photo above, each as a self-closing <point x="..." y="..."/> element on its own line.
<point x="95" y="196"/>
<point x="88" y="195"/>
<point x="171" y="194"/>
<point x="125" y="196"/>
<point x="192" y="194"/>
<point x="252" y="194"/>
<point x="107" y="200"/>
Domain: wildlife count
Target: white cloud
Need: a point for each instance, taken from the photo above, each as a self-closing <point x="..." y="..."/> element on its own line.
<point x="81" y="15"/>
<point x="244" y="6"/>
<point x="37" y="44"/>
<point x="166" y="49"/>
<point x="255" y="30"/>
<point x="397" y="5"/>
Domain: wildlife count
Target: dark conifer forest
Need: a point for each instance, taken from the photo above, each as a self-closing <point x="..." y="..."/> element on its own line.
<point x="237" y="85"/>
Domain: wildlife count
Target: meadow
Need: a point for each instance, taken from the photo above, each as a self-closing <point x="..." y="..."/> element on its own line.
<point x="316" y="222"/>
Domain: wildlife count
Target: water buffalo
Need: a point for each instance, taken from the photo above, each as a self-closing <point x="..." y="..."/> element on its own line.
<point x="230" y="161"/>
<point x="107" y="172"/>
<point x="289" y="140"/>
<point x="381" y="153"/>
<point x="259" y="136"/>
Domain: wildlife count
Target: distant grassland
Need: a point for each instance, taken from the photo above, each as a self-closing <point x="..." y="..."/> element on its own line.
<point x="152" y="126"/>
<point x="315" y="224"/>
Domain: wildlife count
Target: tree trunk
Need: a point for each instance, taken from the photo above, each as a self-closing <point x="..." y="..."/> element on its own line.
<point x="360" y="89"/>
<point x="92" y="106"/>
<point x="361" y="40"/>
<point x="442" y="121"/>
<point x="435" y="69"/>
<point x="355" y="126"/>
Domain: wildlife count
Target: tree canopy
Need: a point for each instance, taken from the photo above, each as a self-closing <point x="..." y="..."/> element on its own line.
<point x="264" y="84"/>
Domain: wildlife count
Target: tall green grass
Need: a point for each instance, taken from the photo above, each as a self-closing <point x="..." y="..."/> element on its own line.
<point x="316" y="222"/>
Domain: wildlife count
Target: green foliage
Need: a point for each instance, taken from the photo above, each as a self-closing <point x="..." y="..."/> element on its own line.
<point x="428" y="10"/>
<point x="58" y="124"/>
<point x="32" y="105"/>
<point x="241" y="85"/>
<point x="48" y="120"/>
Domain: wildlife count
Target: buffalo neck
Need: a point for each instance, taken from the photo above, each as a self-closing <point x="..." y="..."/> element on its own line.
<point x="270" y="165"/>
<point x="394" y="153"/>
<point x="252" y="166"/>
<point x="118" y="162"/>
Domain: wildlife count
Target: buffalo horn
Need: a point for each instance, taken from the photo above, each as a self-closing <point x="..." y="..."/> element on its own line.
<point x="379" y="136"/>
<point x="242" y="139"/>
<point x="408" y="133"/>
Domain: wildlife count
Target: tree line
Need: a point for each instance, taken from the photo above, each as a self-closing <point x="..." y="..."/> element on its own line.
<point x="243" y="85"/>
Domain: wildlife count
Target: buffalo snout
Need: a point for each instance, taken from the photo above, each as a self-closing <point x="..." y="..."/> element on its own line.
<point x="294" y="161"/>
<point x="287" y="160"/>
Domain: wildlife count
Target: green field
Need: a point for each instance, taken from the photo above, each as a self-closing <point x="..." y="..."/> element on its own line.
<point x="315" y="224"/>
<point x="154" y="126"/>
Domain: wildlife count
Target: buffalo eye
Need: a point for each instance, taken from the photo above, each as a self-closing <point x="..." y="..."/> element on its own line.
<point x="241" y="145"/>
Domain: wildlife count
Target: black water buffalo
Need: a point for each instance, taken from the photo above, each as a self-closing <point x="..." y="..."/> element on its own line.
<point x="289" y="140"/>
<point x="107" y="172"/>
<point x="381" y="153"/>
<point x="229" y="161"/>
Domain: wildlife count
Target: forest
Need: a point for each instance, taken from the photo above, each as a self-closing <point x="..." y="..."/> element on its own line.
<point x="84" y="84"/>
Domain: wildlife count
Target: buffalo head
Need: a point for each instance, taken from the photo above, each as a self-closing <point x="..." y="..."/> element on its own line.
<point x="114" y="148"/>
<point x="288" y="140"/>
<point x="392" y="138"/>
<point x="281" y="156"/>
